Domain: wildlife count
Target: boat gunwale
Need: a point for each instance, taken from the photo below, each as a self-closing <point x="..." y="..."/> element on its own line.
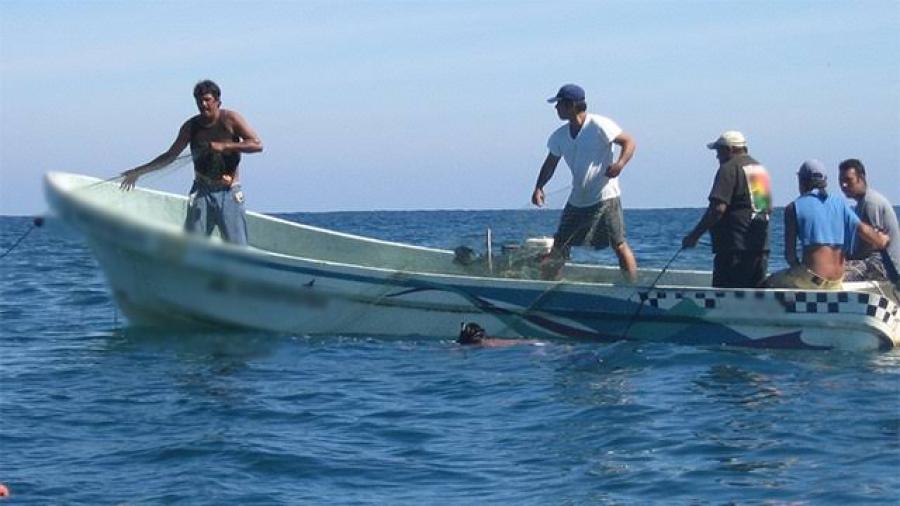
<point x="175" y="232"/>
<point x="170" y="232"/>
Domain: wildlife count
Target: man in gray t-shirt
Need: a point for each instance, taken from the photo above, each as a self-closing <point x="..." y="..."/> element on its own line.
<point x="875" y="210"/>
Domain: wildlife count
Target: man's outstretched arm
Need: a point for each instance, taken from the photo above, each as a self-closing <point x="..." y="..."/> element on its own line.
<point x="181" y="141"/>
<point x="547" y="170"/>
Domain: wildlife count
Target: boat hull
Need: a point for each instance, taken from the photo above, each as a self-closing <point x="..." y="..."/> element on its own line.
<point x="161" y="276"/>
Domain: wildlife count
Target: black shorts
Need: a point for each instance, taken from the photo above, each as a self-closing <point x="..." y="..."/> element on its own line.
<point x="740" y="269"/>
<point x="599" y="225"/>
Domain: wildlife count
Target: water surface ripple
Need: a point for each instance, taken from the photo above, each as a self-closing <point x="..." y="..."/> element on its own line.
<point x="94" y="413"/>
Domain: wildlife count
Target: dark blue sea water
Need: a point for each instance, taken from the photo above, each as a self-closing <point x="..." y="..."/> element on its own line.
<point x="94" y="413"/>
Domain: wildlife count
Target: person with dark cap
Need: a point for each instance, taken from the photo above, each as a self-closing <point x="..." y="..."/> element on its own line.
<point x="593" y="213"/>
<point x="826" y="227"/>
<point x="472" y="334"/>
<point x="737" y="218"/>
<point x="217" y="138"/>
<point x="866" y="264"/>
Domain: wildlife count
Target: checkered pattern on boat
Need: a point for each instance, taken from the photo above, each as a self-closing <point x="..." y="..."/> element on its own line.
<point x="705" y="299"/>
<point x="828" y="302"/>
<point x="794" y="302"/>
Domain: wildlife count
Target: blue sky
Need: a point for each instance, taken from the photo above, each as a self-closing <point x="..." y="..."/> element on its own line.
<point x="440" y="105"/>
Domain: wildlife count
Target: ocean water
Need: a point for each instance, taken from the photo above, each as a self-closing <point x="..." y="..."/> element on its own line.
<point x="92" y="412"/>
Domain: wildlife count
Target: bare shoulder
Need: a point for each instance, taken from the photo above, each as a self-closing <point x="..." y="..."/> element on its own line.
<point x="184" y="132"/>
<point x="233" y="117"/>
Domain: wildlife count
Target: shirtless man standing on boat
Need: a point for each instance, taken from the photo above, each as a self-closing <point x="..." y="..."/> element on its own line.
<point x="593" y="213"/>
<point x="217" y="138"/>
<point x="825" y="226"/>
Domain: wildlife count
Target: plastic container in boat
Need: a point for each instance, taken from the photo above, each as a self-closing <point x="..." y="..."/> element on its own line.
<point x="540" y="245"/>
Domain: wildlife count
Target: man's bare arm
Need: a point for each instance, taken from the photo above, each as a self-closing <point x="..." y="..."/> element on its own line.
<point x="713" y="214"/>
<point x="181" y="141"/>
<point x="627" y="146"/>
<point x="874" y="237"/>
<point x="249" y="143"/>
<point x="547" y="170"/>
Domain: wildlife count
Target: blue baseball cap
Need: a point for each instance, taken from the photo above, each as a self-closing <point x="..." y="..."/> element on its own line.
<point x="571" y="92"/>
<point x="812" y="170"/>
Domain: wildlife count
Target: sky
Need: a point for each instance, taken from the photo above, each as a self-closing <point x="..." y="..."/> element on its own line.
<point x="382" y="105"/>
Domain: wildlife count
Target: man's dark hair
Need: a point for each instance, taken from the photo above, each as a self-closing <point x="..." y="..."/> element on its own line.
<point x="853" y="163"/>
<point x="815" y="183"/>
<point x="206" y="86"/>
<point x="580" y="105"/>
<point x="471" y="333"/>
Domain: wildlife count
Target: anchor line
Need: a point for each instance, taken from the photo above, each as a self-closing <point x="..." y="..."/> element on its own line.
<point x="37" y="222"/>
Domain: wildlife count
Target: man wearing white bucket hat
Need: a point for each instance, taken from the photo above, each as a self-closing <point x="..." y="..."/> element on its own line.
<point x="737" y="218"/>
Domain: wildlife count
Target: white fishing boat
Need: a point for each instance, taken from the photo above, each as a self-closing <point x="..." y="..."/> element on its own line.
<point x="301" y="279"/>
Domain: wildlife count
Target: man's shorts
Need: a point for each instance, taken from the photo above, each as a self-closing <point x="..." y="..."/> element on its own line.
<point x="599" y="225"/>
<point x="217" y="207"/>
<point x="801" y="277"/>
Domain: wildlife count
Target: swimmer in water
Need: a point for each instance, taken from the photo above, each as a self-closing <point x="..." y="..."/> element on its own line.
<point x="473" y="334"/>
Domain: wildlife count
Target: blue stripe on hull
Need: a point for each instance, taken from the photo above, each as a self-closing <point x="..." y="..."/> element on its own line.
<point x="606" y="317"/>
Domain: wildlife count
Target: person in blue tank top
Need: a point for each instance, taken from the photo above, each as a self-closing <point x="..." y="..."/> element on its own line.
<point x="827" y="229"/>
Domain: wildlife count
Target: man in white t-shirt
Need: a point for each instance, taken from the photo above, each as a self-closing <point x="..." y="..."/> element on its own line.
<point x="593" y="213"/>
